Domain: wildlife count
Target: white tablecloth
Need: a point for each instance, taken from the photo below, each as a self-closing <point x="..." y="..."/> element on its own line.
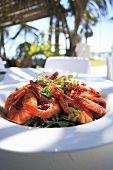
<point x="15" y="75"/>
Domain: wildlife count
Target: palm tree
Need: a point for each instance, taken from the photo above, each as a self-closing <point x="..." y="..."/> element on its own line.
<point x="88" y="21"/>
<point x="23" y="48"/>
<point x="85" y="12"/>
<point x="79" y="8"/>
<point x="58" y="22"/>
<point x="26" y="29"/>
<point x="22" y="53"/>
<point x="3" y="34"/>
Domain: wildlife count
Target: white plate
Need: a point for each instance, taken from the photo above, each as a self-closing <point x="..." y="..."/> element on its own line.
<point x="23" y="139"/>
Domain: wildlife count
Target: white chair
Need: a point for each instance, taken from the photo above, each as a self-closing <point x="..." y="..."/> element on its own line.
<point x="2" y="70"/>
<point x="2" y="67"/>
<point x="72" y="64"/>
<point x="110" y="68"/>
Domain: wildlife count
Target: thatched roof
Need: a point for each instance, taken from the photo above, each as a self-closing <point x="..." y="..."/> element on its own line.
<point x="14" y="12"/>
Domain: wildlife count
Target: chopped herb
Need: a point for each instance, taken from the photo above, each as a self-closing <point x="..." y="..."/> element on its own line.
<point x="70" y="76"/>
<point x="46" y="91"/>
<point x="43" y="80"/>
<point x="74" y="114"/>
<point x="57" y="121"/>
<point x="31" y="120"/>
<point x="77" y="82"/>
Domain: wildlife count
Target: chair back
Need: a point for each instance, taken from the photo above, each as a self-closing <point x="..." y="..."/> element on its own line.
<point x="110" y="68"/>
<point x="2" y="67"/>
<point x="72" y="64"/>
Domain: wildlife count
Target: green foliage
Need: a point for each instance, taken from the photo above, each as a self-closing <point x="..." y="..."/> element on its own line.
<point x="23" y="50"/>
<point x="34" y="49"/>
<point x="22" y="54"/>
<point x="44" y="48"/>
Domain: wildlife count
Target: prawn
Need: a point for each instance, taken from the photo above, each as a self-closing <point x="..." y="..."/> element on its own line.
<point x="15" y="96"/>
<point x="36" y="88"/>
<point x="90" y="97"/>
<point x="54" y="75"/>
<point x="56" y="92"/>
<point x="84" y="92"/>
<point x="53" y="105"/>
<point x="66" y="102"/>
<point x="53" y="109"/>
<point x="28" y="109"/>
<point x="93" y="98"/>
<point x="91" y="105"/>
<point x="79" y="89"/>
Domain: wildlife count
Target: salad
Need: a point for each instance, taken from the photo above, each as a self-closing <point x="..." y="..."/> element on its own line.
<point x="54" y="101"/>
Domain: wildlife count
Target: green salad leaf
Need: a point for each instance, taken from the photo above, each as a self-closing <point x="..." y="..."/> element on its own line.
<point x="58" y="121"/>
<point x="74" y="114"/>
<point x="46" y="91"/>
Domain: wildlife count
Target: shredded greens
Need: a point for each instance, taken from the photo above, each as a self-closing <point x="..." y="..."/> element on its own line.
<point x="46" y="91"/>
<point x="61" y="82"/>
<point x="74" y="114"/>
<point x="56" y="121"/>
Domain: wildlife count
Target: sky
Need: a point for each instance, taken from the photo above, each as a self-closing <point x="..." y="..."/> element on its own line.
<point x="101" y="41"/>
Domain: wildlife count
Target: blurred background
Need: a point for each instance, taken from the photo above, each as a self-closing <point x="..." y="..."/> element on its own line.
<point x="33" y="30"/>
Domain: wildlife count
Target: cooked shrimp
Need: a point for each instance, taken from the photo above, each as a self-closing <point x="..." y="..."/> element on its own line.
<point x="91" y="105"/>
<point x="93" y="98"/>
<point x="15" y="96"/>
<point x="28" y="109"/>
<point x="67" y="102"/>
<point x="64" y="102"/>
<point x="54" y="107"/>
<point x="88" y="93"/>
<point x="56" y="91"/>
<point x="54" y="75"/>
<point x="36" y="88"/>
<point x="79" y="89"/>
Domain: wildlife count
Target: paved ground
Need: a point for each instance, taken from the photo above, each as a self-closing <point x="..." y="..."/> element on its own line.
<point x="99" y="71"/>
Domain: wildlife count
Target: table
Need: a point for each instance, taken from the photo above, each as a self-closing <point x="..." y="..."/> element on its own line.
<point x="92" y="158"/>
<point x="16" y="75"/>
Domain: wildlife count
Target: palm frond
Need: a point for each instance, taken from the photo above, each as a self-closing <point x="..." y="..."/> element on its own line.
<point x="16" y="35"/>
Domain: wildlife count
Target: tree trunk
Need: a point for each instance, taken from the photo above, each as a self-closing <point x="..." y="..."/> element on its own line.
<point x="50" y="29"/>
<point x="57" y="37"/>
<point x="3" y="44"/>
<point x="80" y="8"/>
